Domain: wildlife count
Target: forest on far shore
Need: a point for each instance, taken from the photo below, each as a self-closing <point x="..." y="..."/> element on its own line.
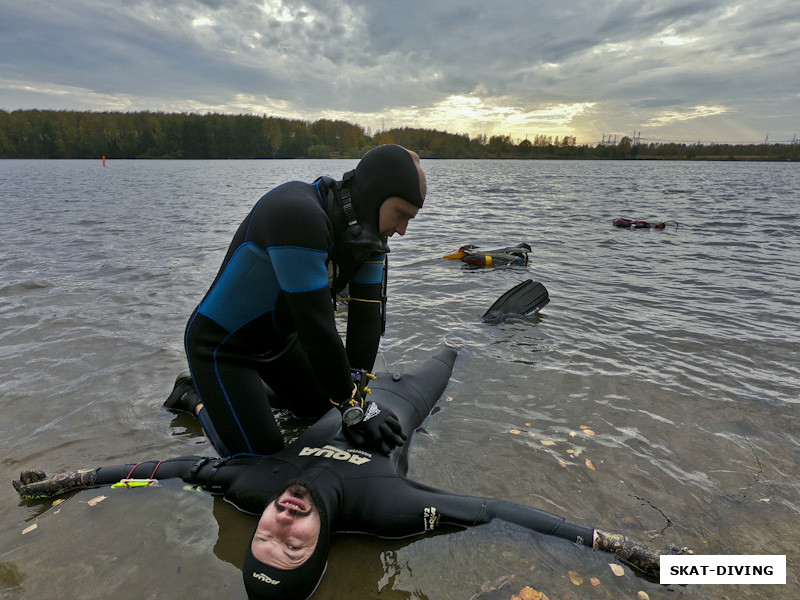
<point x="72" y="134"/>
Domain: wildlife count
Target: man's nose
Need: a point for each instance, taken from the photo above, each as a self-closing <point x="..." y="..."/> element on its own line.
<point x="285" y="516"/>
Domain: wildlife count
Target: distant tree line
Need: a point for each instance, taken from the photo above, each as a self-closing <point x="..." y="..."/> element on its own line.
<point x="70" y="134"/>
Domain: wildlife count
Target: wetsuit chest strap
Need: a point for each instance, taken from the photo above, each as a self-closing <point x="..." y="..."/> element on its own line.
<point x="347" y="205"/>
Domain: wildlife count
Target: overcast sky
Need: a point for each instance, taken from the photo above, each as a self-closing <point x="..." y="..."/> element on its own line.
<point x="682" y="70"/>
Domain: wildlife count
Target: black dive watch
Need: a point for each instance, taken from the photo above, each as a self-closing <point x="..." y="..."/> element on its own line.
<point x="352" y="415"/>
<point x="353" y="412"/>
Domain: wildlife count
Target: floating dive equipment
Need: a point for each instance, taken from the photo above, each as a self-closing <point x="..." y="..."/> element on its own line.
<point x="527" y="298"/>
<point x="624" y="223"/>
<point x="474" y="256"/>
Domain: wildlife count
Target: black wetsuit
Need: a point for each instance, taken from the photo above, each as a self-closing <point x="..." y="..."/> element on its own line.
<point x="363" y="492"/>
<point x="269" y="317"/>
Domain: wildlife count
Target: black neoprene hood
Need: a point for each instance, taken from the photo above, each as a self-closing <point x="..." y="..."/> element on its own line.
<point x="383" y="172"/>
<point x="263" y="582"/>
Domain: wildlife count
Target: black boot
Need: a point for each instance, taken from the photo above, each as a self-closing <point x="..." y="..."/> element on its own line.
<point x="184" y="395"/>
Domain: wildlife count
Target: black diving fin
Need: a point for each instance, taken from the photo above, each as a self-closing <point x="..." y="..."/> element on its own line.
<point x="527" y="298"/>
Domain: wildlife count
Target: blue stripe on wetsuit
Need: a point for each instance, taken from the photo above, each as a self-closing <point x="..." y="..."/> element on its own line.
<point x="299" y="269"/>
<point x="252" y="279"/>
<point x="246" y="289"/>
<point x="371" y="271"/>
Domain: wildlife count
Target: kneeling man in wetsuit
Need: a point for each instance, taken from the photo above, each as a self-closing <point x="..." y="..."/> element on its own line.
<point x="268" y="316"/>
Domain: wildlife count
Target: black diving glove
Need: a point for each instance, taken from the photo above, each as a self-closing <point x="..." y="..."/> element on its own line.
<point x="366" y="424"/>
<point x="379" y="429"/>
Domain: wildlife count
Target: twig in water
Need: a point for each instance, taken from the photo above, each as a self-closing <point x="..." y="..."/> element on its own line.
<point x="654" y="507"/>
<point x="758" y="462"/>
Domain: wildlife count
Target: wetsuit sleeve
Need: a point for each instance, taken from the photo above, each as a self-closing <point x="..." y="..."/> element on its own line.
<point x="399" y="510"/>
<point x="216" y="475"/>
<point x="303" y="276"/>
<point x="174" y="468"/>
<point x="34" y="484"/>
<point x="297" y="238"/>
<point x="365" y="312"/>
<point x="396" y="507"/>
<point x="469" y="511"/>
<point x="537" y="520"/>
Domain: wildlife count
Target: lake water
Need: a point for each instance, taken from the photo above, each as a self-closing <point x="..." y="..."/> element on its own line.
<point x="679" y="350"/>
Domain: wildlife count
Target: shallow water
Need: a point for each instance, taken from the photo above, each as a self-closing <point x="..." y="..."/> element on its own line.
<point x="677" y="349"/>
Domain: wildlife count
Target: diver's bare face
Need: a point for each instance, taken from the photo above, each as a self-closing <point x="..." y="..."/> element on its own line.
<point x="394" y="215"/>
<point x="288" y="530"/>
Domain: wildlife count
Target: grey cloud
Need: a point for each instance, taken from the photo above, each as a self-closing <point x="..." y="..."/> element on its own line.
<point x="365" y="57"/>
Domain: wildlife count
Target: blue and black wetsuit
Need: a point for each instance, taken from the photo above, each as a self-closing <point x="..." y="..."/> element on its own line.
<point x="268" y="317"/>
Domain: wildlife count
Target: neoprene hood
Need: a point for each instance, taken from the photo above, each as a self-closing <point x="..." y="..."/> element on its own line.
<point x="383" y="172"/>
<point x="263" y="582"/>
<point x="353" y="204"/>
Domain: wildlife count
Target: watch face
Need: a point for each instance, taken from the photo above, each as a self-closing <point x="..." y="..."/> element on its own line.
<point x="352" y="415"/>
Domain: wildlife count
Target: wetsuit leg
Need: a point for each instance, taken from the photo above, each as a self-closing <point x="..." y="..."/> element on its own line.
<point x="291" y="378"/>
<point x="231" y="389"/>
<point x="207" y="424"/>
<point x="412" y="396"/>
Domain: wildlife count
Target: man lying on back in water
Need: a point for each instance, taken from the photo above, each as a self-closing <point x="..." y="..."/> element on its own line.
<point x="319" y="485"/>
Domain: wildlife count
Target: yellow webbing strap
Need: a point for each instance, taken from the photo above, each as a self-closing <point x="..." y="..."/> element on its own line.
<point x="349" y="298"/>
<point x="130" y="483"/>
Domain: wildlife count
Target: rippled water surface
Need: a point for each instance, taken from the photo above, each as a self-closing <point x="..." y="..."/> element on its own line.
<point x="656" y="395"/>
